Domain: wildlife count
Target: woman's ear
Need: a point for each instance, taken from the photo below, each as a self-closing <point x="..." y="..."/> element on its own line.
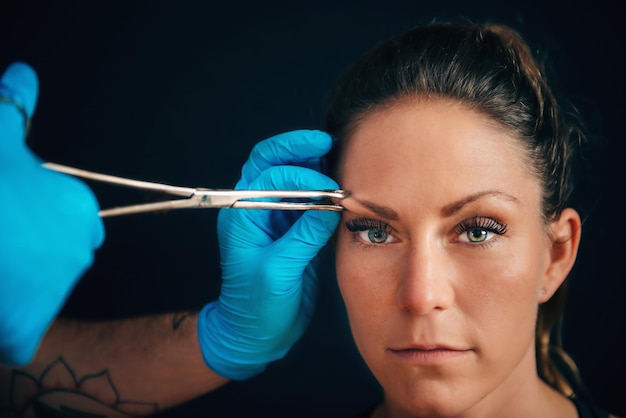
<point x="565" y="235"/>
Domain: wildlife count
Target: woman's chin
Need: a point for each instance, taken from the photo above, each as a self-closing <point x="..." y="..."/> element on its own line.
<point x="426" y="403"/>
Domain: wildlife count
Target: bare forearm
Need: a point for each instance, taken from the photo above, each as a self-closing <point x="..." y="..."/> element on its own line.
<point x="114" y="368"/>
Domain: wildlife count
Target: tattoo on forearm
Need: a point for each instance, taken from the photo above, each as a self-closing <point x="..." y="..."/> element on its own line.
<point x="58" y="393"/>
<point x="178" y="319"/>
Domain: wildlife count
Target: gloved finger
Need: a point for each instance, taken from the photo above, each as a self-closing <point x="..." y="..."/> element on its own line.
<point x="241" y="228"/>
<point x="295" y="147"/>
<point x="313" y="164"/>
<point x="310" y="233"/>
<point x="77" y="201"/>
<point x="19" y="83"/>
<point x="275" y="224"/>
<point x="19" y="89"/>
<point x="289" y="177"/>
<point x="281" y="221"/>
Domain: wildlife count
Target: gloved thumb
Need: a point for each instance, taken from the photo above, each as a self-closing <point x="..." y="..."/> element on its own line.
<point x="19" y="89"/>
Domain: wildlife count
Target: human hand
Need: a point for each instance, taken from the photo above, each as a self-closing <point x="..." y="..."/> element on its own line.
<point x="49" y="227"/>
<point x="268" y="277"/>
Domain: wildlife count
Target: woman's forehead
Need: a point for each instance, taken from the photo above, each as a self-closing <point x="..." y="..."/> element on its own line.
<point x="430" y="131"/>
<point x="435" y="145"/>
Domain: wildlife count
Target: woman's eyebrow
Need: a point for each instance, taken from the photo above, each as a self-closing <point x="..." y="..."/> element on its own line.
<point x="448" y="210"/>
<point x="454" y="207"/>
<point x="382" y="211"/>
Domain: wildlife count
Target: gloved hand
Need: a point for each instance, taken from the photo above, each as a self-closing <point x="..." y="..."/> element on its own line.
<point x="268" y="278"/>
<point x="49" y="227"/>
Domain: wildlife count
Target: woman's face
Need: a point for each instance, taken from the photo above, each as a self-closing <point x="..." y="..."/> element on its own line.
<point x="441" y="257"/>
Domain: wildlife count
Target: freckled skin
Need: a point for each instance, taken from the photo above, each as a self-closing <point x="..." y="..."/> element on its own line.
<point x="431" y="285"/>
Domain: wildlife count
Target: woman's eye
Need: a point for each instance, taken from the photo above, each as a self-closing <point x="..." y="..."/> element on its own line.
<point x="376" y="236"/>
<point x="478" y="230"/>
<point x="370" y="231"/>
<point x="477" y="235"/>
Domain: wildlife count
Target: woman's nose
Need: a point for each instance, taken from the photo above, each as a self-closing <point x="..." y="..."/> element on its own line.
<point x="425" y="282"/>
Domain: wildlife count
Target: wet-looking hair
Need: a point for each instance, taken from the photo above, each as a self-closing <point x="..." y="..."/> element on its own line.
<point x="490" y="69"/>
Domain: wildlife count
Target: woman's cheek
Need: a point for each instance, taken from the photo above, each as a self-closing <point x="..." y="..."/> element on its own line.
<point x="366" y="274"/>
<point x="507" y="272"/>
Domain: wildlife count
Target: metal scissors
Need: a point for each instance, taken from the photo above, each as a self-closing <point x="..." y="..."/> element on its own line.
<point x="209" y="198"/>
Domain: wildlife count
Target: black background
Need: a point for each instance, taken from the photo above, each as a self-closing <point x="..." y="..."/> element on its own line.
<point x="180" y="91"/>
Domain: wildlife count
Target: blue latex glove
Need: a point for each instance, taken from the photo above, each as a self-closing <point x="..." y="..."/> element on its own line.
<point x="49" y="227"/>
<point x="268" y="279"/>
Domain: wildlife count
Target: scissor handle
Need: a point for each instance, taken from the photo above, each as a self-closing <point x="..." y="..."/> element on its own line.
<point x="121" y="181"/>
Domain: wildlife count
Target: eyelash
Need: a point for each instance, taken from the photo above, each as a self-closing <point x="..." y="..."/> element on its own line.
<point x="366" y="224"/>
<point x="481" y="223"/>
<point x="363" y="224"/>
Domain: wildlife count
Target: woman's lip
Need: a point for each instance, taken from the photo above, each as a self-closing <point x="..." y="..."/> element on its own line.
<point x="429" y="346"/>
<point x="428" y="355"/>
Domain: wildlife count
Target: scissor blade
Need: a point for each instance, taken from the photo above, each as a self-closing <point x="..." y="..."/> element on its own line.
<point x="245" y="199"/>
